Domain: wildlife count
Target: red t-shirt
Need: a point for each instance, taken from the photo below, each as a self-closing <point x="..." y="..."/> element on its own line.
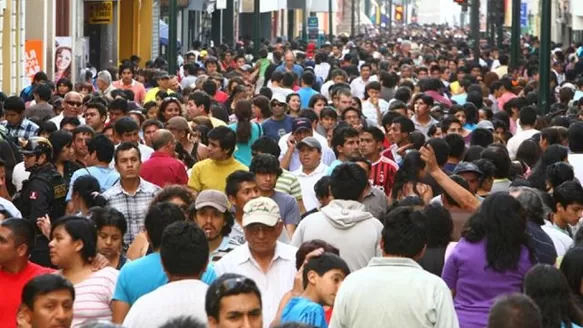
<point x="11" y="291"/>
<point x="382" y="174"/>
<point x="221" y="97"/>
<point x="162" y="169"/>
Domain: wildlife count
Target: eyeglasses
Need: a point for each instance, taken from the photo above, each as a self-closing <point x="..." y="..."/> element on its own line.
<point x="227" y="286"/>
<point x="171" y="99"/>
<point x="74" y="103"/>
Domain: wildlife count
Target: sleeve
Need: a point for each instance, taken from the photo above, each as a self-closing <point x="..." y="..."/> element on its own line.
<point x="120" y="292"/>
<point x="295" y="188"/>
<point x="293" y="214"/>
<point x="338" y="314"/>
<point x="298" y="237"/>
<point x="450" y="270"/>
<point x="446" y="315"/>
<point x="328" y="157"/>
<point x="70" y="191"/>
<point x="210" y="275"/>
<point x="181" y="174"/>
<point x="110" y="282"/>
<point x="39" y="199"/>
<point x="194" y="181"/>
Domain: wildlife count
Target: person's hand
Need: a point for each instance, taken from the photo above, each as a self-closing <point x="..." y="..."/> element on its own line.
<point x="299" y="280"/>
<point x="44" y="224"/>
<point x="374" y="101"/>
<point x="291" y="143"/>
<point x="99" y="262"/>
<point x="428" y="155"/>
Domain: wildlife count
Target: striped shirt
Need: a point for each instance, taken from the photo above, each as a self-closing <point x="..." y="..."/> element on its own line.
<point x="382" y="174"/>
<point x="227" y="245"/>
<point x="288" y="183"/>
<point x="93" y="297"/>
<point x="133" y="207"/>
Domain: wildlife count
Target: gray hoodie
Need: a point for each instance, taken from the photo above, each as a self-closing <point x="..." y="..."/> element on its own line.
<point x="346" y="225"/>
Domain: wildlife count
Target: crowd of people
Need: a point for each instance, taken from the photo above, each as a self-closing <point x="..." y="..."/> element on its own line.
<point x="368" y="182"/>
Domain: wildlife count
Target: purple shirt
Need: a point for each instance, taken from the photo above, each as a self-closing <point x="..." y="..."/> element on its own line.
<point x="476" y="286"/>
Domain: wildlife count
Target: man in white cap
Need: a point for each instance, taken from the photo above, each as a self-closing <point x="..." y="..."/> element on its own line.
<point x="263" y="258"/>
<point x="211" y="213"/>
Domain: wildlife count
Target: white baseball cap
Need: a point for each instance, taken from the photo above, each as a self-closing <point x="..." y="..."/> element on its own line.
<point x="261" y="210"/>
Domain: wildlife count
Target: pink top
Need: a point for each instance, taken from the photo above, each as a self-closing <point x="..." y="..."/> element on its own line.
<point x="93" y="297"/>
<point x="137" y="88"/>
<point x="506" y="97"/>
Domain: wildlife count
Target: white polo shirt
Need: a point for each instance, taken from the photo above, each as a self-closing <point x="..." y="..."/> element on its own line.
<point x="307" y="183"/>
<point x="272" y="284"/>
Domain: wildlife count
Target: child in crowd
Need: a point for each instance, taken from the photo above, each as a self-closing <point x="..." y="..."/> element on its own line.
<point x="322" y="277"/>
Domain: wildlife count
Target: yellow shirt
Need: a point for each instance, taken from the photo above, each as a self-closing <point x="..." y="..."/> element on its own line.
<point x="151" y="94"/>
<point x="211" y="174"/>
<point x="216" y="122"/>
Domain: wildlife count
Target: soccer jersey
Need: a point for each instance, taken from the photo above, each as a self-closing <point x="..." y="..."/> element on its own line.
<point x="382" y="174"/>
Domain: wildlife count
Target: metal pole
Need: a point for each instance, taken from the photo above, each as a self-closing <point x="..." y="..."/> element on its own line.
<point x="500" y="24"/>
<point x="545" y="57"/>
<point x="256" y="24"/>
<point x="330" y="21"/>
<point x="221" y="28"/>
<point x="515" y="40"/>
<point x="353" y="17"/>
<point x="172" y="37"/>
<point x="475" y="24"/>
<point x="390" y="14"/>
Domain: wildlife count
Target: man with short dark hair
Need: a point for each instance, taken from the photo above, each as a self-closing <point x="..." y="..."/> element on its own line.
<point x="117" y="109"/>
<point x="131" y="195"/>
<point x="212" y="172"/>
<point x="306" y="92"/>
<point x="345" y="218"/>
<point x="398" y="135"/>
<point x="127" y="82"/>
<point x="144" y="275"/>
<point x="346" y="146"/>
<point x="17" y="125"/>
<point x="527" y="121"/>
<point x="515" y="311"/>
<point x="234" y="296"/>
<point x="81" y="135"/>
<point x="127" y="130"/>
<point x="568" y="207"/>
<point x="17" y="237"/>
<point x="162" y="168"/>
<point x="397" y="282"/>
<point x="42" y="109"/>
<point x="199" y="104"/>
<point x="47" y="301"/>
<point x="95" y="116"/>
<point x="184" y="252"/>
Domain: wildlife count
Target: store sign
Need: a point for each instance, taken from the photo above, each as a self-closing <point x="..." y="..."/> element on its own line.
<point x="100" y="12"/>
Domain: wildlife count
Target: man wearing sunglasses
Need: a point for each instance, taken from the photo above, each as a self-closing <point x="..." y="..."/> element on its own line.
<point x="72" y="107"/>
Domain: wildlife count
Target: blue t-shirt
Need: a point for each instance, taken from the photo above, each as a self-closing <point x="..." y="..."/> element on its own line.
<point x="144" y="275"/>
<point x="243" y="151"/>
<point x="297" y="69"/>
<point x="460" y="99"/>
<point x="332" y="166"/>
<point x="288" y="207"/>
<point x="276" y="129"/>
<point x="305" y="96"/>
<point x="106" y="177"/>
<point x="300" y="309"/>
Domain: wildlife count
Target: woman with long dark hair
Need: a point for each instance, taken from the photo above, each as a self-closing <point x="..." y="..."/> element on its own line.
<point x="553" y="154"/>
<point x="261" y="109"/>
<point x="73" y="247"/>
<point x="169" y="108"/>
<point x="549" y="289"/>
<point x="246" y="131"/>
<point x="86" y="194"/>
<point x="490" y="259"/>
<point x="63" y="154"/>
<point x="572" y="268"/>
<point x="407" y="180"/>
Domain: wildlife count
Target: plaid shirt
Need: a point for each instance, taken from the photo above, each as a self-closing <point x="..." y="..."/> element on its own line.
<point x="133" y="207"/>
<point x="25" y="129"/>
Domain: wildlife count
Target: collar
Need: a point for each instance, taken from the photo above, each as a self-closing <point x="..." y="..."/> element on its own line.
<point x="158" y="153"/>
<point x="245" y="254"/>
<point x="394" y="261"/>
<point x="321" y="168"/>
<point x="142" y="187"/>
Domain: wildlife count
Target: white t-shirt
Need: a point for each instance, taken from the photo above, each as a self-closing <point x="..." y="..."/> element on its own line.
<point x="175" y="299"/>
<point x="370" y="111"/>
<point x="19" y="174"/>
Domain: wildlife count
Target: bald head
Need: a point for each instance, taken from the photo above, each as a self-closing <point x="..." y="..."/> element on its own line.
<point x="162" y="138"/>
<point x="73" y="96"/>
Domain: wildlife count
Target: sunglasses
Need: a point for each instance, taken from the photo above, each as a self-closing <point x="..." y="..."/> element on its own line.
<point x="74" y="103"/>
<point x="232" y="284"/>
